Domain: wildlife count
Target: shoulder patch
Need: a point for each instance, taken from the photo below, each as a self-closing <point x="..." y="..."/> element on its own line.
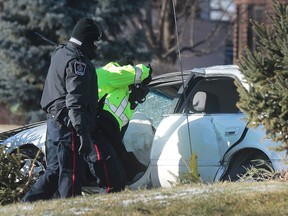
<point x="79" y="68"/>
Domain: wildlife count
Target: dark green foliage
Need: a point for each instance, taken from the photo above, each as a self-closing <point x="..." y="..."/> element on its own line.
<point x="266" y="70"/>
<point x="25" y="57"/>
<point x="12" y="181"/>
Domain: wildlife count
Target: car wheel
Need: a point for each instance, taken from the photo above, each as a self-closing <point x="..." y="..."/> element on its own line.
<point x="28" y="155"/>
<point x="249" y="167"/>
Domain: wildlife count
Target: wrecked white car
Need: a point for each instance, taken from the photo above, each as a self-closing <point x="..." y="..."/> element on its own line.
<point x="201" y="131"/>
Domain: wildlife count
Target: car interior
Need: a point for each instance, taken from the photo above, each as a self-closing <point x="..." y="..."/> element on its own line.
<point x="214" y="95"/>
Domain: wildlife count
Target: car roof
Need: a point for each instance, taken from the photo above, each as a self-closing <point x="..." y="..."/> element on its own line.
<point x="170" y="83"/>
<point x="221" y="70"/>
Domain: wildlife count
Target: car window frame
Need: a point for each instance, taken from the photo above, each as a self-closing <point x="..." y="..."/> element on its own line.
<point x="202" y="84"/>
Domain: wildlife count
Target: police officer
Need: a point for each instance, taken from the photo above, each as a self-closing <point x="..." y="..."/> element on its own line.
<point x="115" y="80"/>
<point x="70" y="98"/>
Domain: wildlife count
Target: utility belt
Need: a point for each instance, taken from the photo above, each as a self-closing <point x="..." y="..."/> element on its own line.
<point x="60" y="117"/>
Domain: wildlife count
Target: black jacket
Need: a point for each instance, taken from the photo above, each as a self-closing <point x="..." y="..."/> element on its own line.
<point x="71" y="84"/>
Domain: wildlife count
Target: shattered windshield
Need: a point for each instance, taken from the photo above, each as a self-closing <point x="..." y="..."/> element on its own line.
<point x="155" y="106"/>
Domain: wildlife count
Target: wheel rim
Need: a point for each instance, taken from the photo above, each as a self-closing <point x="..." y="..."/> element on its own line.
<point x="26" y="165"/>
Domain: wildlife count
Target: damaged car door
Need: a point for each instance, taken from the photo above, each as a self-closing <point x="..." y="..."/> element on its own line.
<point x="207" y="110"/>
<point x="221" y="124"/>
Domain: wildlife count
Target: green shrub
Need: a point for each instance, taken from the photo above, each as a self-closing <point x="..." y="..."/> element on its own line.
<point x="13" y="183"/>
<point x="266" y="70"/>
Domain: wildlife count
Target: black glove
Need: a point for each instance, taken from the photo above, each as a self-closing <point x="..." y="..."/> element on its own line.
<point x="137" y="94"/>
<point x="87" y="149"/>
<point x="92" y="157"/>
<point x="147" y="80"/>
<point x="127" y="60"/>
<point x="86" y="144"/>
<point x="69" y="124"/>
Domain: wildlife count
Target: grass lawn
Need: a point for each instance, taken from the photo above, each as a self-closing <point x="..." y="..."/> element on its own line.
<point x="242" y="198"/>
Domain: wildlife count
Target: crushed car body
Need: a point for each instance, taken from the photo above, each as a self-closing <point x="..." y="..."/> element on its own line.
<point x="188" y="123"/>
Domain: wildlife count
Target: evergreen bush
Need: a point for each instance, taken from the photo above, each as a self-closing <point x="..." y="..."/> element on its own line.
<point x="13" y="183"/>
<point x="266" y="72"/>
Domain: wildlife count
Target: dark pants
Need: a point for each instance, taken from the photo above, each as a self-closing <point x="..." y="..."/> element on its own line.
<point x="108" y="167"/>
<point x="64" y="165"/>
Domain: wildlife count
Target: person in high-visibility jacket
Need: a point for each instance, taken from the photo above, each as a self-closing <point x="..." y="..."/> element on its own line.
<point x="123" y="87"/>
<point x="115" y="80"/>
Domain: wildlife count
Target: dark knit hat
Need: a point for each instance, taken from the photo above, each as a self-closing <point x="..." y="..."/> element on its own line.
<point x="86" y="31"/>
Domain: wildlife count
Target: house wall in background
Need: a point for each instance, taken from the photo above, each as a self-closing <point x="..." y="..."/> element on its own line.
<point x="246" y="10"/>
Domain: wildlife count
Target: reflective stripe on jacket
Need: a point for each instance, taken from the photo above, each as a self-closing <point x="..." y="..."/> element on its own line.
<point x="115" y="80"/>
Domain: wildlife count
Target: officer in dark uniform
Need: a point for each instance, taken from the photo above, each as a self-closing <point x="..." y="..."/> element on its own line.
<point x="70" y="98"/>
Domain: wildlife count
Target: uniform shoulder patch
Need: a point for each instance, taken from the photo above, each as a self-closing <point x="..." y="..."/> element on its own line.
<point x="80" y="68"/>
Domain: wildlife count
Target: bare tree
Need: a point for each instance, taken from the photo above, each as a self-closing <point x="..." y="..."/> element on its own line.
<point x="157" y="21"/>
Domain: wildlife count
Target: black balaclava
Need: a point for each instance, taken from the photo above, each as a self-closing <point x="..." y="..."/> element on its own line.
<point x="86" y="32"/>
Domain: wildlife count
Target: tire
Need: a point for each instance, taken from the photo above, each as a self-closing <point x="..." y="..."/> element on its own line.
<point x="239" y="168"/>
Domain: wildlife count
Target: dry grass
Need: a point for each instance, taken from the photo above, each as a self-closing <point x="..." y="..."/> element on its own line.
<point x="242" y="198"/>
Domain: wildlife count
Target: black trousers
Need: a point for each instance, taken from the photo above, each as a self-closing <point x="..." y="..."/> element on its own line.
<point x="64" y="164"/>
<point x="108" y="168"/>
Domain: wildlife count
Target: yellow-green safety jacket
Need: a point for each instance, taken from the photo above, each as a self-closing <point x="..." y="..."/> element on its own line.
<point x="114" y="80"/>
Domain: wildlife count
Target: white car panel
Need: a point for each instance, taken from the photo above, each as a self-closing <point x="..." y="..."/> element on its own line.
<point x="35" y="136"/>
